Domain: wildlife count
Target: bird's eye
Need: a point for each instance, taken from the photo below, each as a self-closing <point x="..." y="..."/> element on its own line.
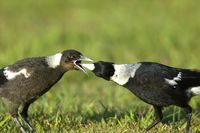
<point x="72" y="57"/>
<point x="66" y="60"/>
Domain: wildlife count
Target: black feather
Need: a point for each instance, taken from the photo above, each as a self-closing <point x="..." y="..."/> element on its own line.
<point x="104" y="69"/>
<point x="3" y="79"/>
<point x="189" y="79"/>
<point x="158" y="85"/>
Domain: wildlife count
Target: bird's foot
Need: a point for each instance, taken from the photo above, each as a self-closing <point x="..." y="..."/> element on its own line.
<point x="27" y="122"/>
<point x="16" y="119"/>
<point x="152" y="125"/>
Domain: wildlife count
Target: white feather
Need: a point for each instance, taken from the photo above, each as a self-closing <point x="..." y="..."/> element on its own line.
<point x="195" y="90"/>
<point x="173" y="82"/>
<point x="11" y="75"/>
<point x="89" y="66"/>
<point x="124" y="72"/>
<point x="178" y="78"/>
<point x="54" y="60"/>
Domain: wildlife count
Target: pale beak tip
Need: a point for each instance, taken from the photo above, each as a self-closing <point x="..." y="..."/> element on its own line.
<point x="84" y="58"/>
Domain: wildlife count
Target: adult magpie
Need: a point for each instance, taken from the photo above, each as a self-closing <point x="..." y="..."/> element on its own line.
<point x="26" y="80"/>
<point x="154" y="83"/>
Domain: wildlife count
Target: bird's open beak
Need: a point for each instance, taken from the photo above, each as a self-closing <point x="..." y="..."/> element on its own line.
<point x="78" y="64"/>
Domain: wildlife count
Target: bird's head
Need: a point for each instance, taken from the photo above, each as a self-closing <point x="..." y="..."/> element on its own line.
<point x="68" y="60"/>
<point x="101" y="69"/>
<point x="71" y="59"/>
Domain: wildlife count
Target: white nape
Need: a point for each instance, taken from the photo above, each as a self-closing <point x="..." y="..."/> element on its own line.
<point x="124" y="72"/>
<point x="89" y="66"/>
<point x="11" y="75"/>
<point x="54" y="60"/>
<point x="195" y="90"/>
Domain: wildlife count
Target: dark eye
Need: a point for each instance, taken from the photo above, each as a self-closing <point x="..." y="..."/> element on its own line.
<point x="72" y="57"/>
<point x="67" y="60"/>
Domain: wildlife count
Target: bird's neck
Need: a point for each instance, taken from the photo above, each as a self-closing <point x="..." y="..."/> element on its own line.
<point x="123" y="72"/>
<point x="53" y="61"/>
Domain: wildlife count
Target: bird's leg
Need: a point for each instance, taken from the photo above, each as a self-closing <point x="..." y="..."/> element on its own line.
<point x="188" y="110"/>
<point x="158" y="117"/>
<point x="13" y="110"/>
<point x="16" y="119"/>
<point x="24" y="115"/>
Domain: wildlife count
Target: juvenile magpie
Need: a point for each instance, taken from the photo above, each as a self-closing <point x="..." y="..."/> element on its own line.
<point x="26" y="80"/>
<point x="154" y="83"/>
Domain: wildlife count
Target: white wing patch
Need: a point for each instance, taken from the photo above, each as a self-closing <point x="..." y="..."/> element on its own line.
<point x="54" y="60"/>
<point x="11" y="75"/>
<point x="124" y="72"/>
<point x="173" y="81"/>
<point x="178" y="78"/>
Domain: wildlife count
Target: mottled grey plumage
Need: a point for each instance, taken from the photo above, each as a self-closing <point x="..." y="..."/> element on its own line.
<point x="21" y="89"/>
<point x="154" y="83"/>
<point x="26" y="80"/>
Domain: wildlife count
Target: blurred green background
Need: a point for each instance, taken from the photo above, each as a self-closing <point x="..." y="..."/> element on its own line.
<point x="122" y="31"/>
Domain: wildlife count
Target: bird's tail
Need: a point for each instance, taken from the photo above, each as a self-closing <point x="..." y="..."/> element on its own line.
<point x="191" y="79"/>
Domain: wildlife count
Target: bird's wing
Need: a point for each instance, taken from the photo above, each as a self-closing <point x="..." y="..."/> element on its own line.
<point x="3" y="78"/>
<point x="23" y="68"/>
<point x="187" y="78"/>
<point x="154" y="74"/>
<point x="28" y="63"/>
<point x="181" y="84"/>
<point x="168" y="83"/>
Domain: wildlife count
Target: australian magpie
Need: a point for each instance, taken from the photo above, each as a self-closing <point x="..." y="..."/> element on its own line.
<point x="154" y="83"/>
<point x="26" y="80"/>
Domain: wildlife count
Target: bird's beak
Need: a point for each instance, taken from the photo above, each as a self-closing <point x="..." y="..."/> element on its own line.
<point x="78" y="64"/>
<point x="84" y="58"/>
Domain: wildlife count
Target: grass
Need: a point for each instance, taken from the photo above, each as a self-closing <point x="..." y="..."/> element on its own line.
<point x="120" y="31"/>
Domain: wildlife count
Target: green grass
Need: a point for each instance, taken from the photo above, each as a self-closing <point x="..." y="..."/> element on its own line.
<point x="121" y="31"/>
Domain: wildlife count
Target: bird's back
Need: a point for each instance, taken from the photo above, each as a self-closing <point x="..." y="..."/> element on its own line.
<point x="163" y="85"/>
<point x="27" y="79"/>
